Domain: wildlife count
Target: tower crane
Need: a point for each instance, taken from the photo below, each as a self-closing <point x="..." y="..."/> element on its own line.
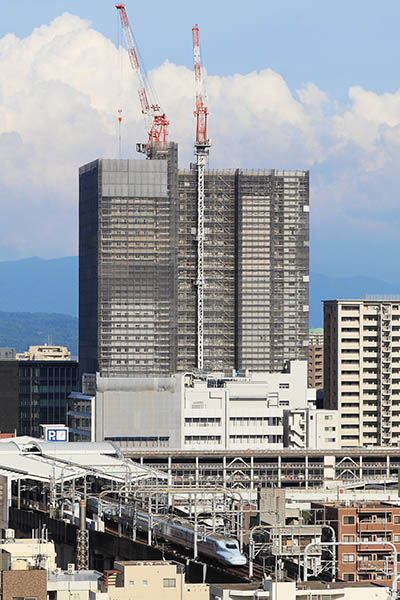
<point x="156" y="120"/>
<point x="202" y="148"/>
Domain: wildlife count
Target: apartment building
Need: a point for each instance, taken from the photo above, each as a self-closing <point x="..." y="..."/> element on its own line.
<point x="147" y="580"/>
<point x="316" y="359"/>
<point x="376" y="526"/>
<point x="362" y="369"/>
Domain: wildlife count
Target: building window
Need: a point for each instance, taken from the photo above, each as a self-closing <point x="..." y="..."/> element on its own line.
<point x="348" y="558"/>
<point x="348" y="538"/>
<point x="169" y="582"/>
<point x="397" y="518"/>
<point x="348" y="520"/>
<point x="396" y="538"/>
<point x="348" y="577"/>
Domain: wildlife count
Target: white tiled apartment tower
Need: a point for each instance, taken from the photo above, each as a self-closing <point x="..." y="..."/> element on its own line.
<point x="362" y="369"/>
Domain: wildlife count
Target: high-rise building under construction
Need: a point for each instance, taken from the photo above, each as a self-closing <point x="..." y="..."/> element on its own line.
<point x="138" y="268"/>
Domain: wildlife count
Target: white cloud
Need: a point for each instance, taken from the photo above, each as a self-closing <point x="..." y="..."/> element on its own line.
<point x="60" y="89"/>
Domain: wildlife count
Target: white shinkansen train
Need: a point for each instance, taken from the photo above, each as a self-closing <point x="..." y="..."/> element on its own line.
<point x="181" y="533"/>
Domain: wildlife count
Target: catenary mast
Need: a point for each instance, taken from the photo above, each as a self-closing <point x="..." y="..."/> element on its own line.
<point x="156" y="120"/>
<point x="202" y="148"/>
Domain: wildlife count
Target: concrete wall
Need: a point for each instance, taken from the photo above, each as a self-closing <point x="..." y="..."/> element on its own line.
<point x="129" y="408"/>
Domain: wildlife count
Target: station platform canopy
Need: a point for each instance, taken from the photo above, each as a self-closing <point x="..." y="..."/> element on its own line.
<point x="35" y="459"/>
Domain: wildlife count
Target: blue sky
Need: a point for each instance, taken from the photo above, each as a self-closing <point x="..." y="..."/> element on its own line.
<point x="323" y="97"/>
<point x="334" y="44"/>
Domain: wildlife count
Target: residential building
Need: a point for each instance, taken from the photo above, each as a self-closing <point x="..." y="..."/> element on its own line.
<point x="146" y="580"/>
<point x="44" y="387"/>
<point x="188" y="411"/>
<point x="362" y="369"/>
<point x="376" y="526"/>
<point x="316" y="359"/>
<point x="45" y="352"/>
<point x="138" y="261"/>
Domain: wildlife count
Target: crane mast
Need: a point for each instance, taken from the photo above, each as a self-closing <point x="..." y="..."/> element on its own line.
<point x="202" y="148"/>
<point x="156" y="121"/>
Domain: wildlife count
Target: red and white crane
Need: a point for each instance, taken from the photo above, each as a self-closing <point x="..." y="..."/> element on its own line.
<point x="156" y="120"/>
<point x="202" y="148"/>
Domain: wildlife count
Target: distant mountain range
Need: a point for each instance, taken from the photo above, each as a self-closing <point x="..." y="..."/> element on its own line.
<point x="39" y="300"/>
<point x="20" y="329"/>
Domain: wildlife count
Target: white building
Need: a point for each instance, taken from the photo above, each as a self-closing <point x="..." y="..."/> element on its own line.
<point x="213" y="411"/>
<point x="311" y="428"/>
<point x="34" y="552"/>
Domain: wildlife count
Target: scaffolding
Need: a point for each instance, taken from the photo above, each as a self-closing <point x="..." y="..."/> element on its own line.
<point x="142" y="308"/>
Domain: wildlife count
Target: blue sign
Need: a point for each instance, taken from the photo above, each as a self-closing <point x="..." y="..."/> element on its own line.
<point x="57" y="435"/>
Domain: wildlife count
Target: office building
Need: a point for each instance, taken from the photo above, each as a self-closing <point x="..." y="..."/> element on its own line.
<point x="362" y="369"/>
<point x="198" y="412"/>
<point x="311" y="428"/>
<point x="316" y="359"/>
<point x="44" y="387"/>
<point x="138" y="263"/>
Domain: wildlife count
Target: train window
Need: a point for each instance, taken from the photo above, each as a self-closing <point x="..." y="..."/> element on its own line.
<point x="169" y="582"/>
<point x="231" y="546"/>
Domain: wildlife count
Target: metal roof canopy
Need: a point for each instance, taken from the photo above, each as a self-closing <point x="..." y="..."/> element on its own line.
<point x="31" y="458"/>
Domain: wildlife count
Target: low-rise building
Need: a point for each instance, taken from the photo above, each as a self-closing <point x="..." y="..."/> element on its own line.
<point x="29" y="552"/>
<point x="65" y="585"/>
<point x="376" y="529"/>
<point x="147" y="580"/>
<point x="45" y="352"/>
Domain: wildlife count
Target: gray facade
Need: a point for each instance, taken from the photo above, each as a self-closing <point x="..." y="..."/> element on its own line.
<point x="138" y="268"/>
<point x="126" y="266"/>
